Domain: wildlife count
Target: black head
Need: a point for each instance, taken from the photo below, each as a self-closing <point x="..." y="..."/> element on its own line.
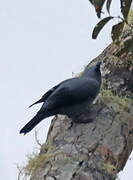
<point x="93" y="71"/>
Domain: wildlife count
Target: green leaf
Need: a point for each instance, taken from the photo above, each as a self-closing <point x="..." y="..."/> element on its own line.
<point x="98" y="4"/>
<point x="125" y="7"/>
<point x="117" y="30"/>
<point x="91" y="1"/>
<point x="108" y="5"/>
<point x="99" y="26"/>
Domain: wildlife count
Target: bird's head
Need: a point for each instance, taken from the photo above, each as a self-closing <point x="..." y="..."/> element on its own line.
<point x="93" y="71"/>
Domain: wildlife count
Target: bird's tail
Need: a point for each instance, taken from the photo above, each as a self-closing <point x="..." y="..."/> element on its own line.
<point x="39" y="101"/>
<point x="32" y="123"/>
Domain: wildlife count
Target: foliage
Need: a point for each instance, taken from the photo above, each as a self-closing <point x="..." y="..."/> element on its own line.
<point x="116" y="29"/>
<point x="109" y="168"/>
<point x="99" y="26"/>
<point x="122" y="102"/>
<point x="36" y="161"/>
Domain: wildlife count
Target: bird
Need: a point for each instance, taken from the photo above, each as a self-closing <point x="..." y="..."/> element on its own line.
<point x="70" y="97"/>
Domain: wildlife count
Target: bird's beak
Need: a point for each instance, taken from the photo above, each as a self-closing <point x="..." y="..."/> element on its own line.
<point x="98" y="65"/>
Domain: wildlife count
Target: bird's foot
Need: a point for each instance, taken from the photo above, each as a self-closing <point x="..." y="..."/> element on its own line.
<point x="82" y="120"/>
<point x="85" y="117"/>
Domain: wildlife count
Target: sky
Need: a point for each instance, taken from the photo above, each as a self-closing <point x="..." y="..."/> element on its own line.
<point x="42" y="42"/>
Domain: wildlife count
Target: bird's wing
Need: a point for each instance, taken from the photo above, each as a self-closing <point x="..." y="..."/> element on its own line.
<point x="45" y="96"/>
<point x="71" y="92"/>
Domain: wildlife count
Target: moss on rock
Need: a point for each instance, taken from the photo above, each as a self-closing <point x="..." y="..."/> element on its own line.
<point x="118" y="102"/>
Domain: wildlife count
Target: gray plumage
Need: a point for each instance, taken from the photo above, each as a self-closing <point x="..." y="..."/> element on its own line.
<point x="70" y="97"/>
